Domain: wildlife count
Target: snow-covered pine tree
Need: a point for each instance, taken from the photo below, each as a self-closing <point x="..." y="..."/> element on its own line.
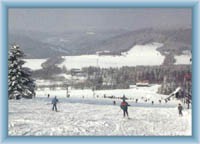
<point x="20" y="83"/>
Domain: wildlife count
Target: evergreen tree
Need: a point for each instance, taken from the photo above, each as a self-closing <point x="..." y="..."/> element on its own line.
<point x="20" y="83"/>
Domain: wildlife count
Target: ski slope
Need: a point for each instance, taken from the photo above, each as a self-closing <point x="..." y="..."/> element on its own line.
<point x="35" y="118"/>
<point x="140" y="93"/>
<point x="97" y="116"/>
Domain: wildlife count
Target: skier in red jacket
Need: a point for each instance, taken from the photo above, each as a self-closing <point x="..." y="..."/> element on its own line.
<point x="124" y="106"/>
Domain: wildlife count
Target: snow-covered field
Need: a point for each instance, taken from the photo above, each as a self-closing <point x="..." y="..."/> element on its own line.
<point x="46" y="82"/>
<point x="184" y="58"/>
<point x="138" y="55"/>
<point x="133" y="93"/>
<point x="34" y="64"/>
<point x="97" y="115"/>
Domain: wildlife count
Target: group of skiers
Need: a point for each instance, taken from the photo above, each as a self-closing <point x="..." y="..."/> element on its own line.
<point x="124" y="106"/>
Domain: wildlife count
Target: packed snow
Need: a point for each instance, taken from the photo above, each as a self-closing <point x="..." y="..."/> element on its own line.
<point x="137" y="55"/>
<point x="34" y="64"/>
<point x="94" y="115"/>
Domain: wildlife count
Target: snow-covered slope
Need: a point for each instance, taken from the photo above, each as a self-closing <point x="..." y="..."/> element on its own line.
<point x="184" y="58"/>
<point x="135" y="93"/>
<point x="34" y="64"/>
<point x="97" y="116"/>
<point x="34" y="117"/>
<point x="138" y="55"/>
<point x="146" y="55"/>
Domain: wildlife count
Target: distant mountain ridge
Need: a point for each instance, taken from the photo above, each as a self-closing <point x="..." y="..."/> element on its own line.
<point x="44" y="45"/>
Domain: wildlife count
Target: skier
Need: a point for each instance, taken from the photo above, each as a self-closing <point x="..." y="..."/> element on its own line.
<point x="54" y="102"/>
<point x="48" y="95"/>
<point x="188" y="103"/>
<point x="180" y="108"/>
<point x="124" y="106"/>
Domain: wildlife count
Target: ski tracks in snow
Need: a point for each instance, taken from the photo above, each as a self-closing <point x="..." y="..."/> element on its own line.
<point x="34" y="117"/>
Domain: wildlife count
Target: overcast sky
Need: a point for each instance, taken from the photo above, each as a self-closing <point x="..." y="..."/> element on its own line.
<point x="65" y="19"/>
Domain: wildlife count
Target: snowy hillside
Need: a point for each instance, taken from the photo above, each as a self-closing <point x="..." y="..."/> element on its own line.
<point x="135" y="93"/>
<point x="97" y="115"/>
<point x="184" y="58"/>
<point x="34" y="64"/>
<point x="39" y="44"/>
<point x="137" y="55"/>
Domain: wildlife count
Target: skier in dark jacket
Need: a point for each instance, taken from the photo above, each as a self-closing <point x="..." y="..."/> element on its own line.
<point x="124" y="106"/>
<point x="54" y="102"/>
<point x="180" y="108"/>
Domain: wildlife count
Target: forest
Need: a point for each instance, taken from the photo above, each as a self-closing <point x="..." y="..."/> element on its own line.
<point x="169" y="77"/>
